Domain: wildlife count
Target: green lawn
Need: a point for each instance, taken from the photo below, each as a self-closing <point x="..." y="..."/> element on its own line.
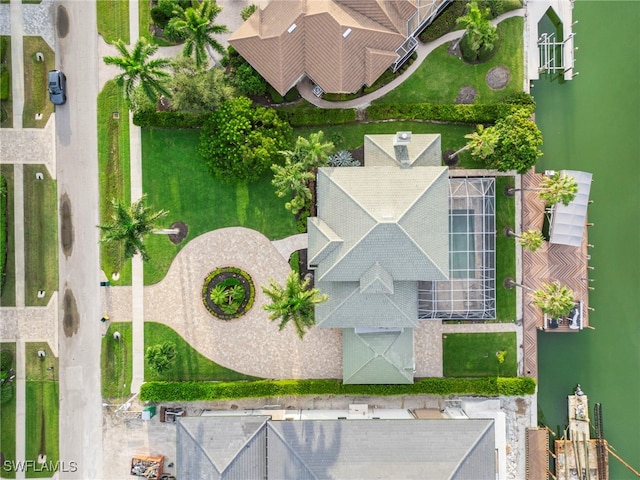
<point x="474" y="354"/>
<point x="347" y="137"/>
<point x="41" y="235"/>
<point x="8" y="420"/>
<point x="36" y="98"/>
<point x="6" y="106"/>
<point x="190" y="365"/>
<point x="115" y="359"/>
<point x="41" y="431"/>
<point x="113" y="20"/>
<point x="40" y="369"/>
<point x="441" y="76"/>
<point x="505" y="251"/>
<point x="115" y="183"/>
<point x="176" y="178"/>
<point x="8" y="293"/>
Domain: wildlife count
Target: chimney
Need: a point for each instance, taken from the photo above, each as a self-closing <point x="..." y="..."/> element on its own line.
<point x="401" y="148"/>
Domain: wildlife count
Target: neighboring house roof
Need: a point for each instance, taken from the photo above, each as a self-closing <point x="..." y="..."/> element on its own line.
<point x="339" y="449"/>
<point x="340" y="44"/>
<point x="377" y="356"/>
<point x="397" y="217"/>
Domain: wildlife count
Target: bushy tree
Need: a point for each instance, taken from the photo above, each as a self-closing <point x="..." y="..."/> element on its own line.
<point x="518" y="141"/>
<point x="294" y="302"/>
<point x="196" y="90"/>
<point x="248" y="81"/>
<point x="161" y="357"/>
<point x="241" y="142"/>
<point x="480" y="36"/>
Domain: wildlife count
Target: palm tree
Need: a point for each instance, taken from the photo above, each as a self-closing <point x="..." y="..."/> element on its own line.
<point x="161" y="357"/>
<point x="480" y="35"/>
<point x="553" y="189"/>
<point x="482" y="142"/>
<point x="313" y="152"/>
<point x="130" y="225"/>
<point x="139" y="69"/>
<point x="554" y="299"/>
<point x="292" y="179"/>
<point x="195" y="25"/>
<point x="531" y="239"/>
<point x="293" y="302"/>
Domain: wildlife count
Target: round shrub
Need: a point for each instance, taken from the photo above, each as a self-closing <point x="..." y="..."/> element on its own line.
<point x="228" y="293"/>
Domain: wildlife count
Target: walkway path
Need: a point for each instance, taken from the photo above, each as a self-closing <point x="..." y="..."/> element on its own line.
<point x="288" y="245"/>
<point x="305" y="87"/>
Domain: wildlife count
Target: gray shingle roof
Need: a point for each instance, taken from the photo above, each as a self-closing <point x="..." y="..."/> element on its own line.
<point x="377" y="357"/>
<point x="424" y="150"/>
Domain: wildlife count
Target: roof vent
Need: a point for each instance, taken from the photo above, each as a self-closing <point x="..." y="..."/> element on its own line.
<point x="401" y="148"/>
<point x="346" y="33"/>
<point x="402" y="138"/>
<point x="292" y="28"/>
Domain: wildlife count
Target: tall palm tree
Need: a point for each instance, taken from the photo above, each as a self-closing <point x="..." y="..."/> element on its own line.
<point x="294" y="302"/>
<point x="479" y="33"/>
<point x="554" y="189"/>
<point x="531" y="239"/>
<point x="195" y="25"/>
<point x="130" y="225"/>
<point x="482" y="142"/>
<point x="292" y="179"/>
<point x="314" y="152"/>
<point x="139" y="69"/>
<point x="554" y="299"/>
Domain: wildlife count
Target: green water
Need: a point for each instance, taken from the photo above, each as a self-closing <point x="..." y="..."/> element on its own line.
<point x="592" y="123"/>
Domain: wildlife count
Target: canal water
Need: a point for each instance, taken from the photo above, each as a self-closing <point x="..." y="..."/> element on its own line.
<point x="592" y="123"/>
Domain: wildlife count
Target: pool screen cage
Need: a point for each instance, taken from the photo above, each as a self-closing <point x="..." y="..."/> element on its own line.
<point x="470" y="292"/>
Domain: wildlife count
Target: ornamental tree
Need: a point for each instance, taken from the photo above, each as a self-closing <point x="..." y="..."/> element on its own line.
<point x="241" y="142"/>
<point x="518" y="141"/>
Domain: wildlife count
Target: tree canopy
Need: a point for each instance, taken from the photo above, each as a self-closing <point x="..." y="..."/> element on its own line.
<point x="518" y="141"/>
<point x="241" y="142"/>
<point x="196" y="90"/>
<point x="480" y="36"/>
<point x="554" y="299"/>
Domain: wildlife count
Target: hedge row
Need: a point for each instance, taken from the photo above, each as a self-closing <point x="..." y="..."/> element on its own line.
<point x="194" y="391"/>
<point x="313" y="116"/>
<point x="443" y="112"/>
<point x="169" y="119"/>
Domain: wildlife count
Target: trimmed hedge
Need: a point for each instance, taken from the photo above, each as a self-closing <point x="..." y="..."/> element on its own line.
<point x="443" y="112"/>
<point x="313" y="116"/>
<point x="170" y="119"/>
<point x="194" y="391"/>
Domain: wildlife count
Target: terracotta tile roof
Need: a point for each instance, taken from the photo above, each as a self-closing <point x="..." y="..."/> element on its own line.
<point x="325" y="39"/>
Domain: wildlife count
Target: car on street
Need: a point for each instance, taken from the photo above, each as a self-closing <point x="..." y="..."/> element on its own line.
<point x="57" y="87"/>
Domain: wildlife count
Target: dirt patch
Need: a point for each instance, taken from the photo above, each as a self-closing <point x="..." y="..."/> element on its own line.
<point x="498" y="77"/>
<point x="448" y="160"/>
<point x="66" y="225"/>
<point x="62" y="21"/>
<point x="358" y="154"/>
<point x="521" y="406"/>
<point x="466" y="95"/>
<point x="71" y="319"/>
<point x="182" y="233"/>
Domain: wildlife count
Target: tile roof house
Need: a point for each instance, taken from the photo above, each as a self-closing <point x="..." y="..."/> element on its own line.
<point x="235" y="447"/>
<point x="340" y="45"/>
<point x="379" y="231"/>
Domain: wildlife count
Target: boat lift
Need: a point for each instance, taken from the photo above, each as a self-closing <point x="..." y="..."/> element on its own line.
<point x="555" y="54"/>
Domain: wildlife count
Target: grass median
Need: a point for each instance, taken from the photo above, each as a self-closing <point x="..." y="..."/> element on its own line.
<point x="8" y="290"/>
<point x="113" y="20"/>
<point x="36" y="99"/>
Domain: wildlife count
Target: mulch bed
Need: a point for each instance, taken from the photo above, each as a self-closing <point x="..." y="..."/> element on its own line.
<point x="498" y="77"/>
<point x="466" y="95"/>
<point x="181" y="235"/>
<point x="214" y="309"/>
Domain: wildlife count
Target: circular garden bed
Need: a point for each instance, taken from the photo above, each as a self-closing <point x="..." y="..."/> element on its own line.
<point x="228" y="293"/>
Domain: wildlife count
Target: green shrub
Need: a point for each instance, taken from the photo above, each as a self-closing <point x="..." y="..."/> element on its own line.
<point x="313" y="116"/>
<point x="456" y="113"/>
<point x="521" y="98"/>
<point x="194" y="391"/>
<point x="170" y="119"/>
<point x="5" y="84"/>
<point x="445" y="23"/>
<point x="498" y="7"/>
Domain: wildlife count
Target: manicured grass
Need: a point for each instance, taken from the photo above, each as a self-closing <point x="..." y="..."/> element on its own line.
<point x="176" y="178"/>
<point x="8" y="420"/>
<point x="189" y="364"/>
<point x="41" y="235"/>
<point x="347" y="137"/>
<point x="144" y="20"/>
<point x="113" y="20"/>
<point x="115" y="360"/>
<point x="36" y="367"/>
<point x="8" y="291"/>
<point x="294" y="261"/>
<point x="474" y="354"/>
<point x="441" y="76"/>
<point x="6" y="119"/>
<point x="36" y="98"/>
<point x="505" y="251"/>
<point x="41" y="430"/>
<point x="115" y="183"/>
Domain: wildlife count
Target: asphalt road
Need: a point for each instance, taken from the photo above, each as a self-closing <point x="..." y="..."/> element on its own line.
<point x="77" y="172"/>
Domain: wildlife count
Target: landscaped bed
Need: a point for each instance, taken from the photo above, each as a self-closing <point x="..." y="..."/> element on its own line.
<point x="228" y="293"/>
<point x="177" y="179"/>
<point x="478" y="354"/>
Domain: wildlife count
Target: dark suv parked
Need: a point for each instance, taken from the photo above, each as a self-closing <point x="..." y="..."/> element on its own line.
<point x="57" y="87"/>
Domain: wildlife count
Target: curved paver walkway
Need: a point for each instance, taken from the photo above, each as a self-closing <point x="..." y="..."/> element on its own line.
<point x="251" y="344"/>
<point x="305" y="87"/>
